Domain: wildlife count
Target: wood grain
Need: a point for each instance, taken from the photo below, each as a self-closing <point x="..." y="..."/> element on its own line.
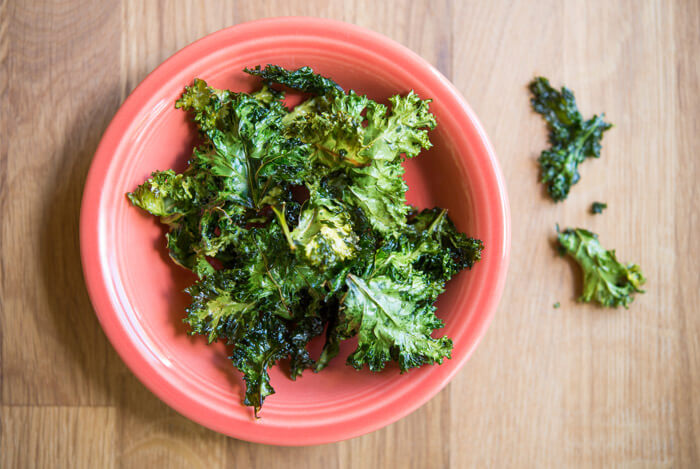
<point x="59" y="436"/>
<point x="572" y="387"/>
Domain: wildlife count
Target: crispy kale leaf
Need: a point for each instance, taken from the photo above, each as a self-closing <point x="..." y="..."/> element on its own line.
<point x="267" y="310"/>
<point x="248" y="149"/>
<point x="444" y="250"/>
<point x="164" y="194"/>
<point x="353" y="129"/>
<point x="572" y="138"/>
<point x="176" y="199"/>
<point x="264" y="344"/>
<point x="391" y="309"/>
<point x="302" y="79"/>
<point x="380" y="191"/>
<point x="605" y="280"/>
<point x="393" y="323"/>
<point x="220" y="307"/>
<point x="366" y="140"/>
<point x="324" y="235"/>
<point x="296" y="222"/>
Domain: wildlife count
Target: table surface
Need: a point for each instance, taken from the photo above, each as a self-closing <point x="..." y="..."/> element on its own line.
<point x="577" y="386"/>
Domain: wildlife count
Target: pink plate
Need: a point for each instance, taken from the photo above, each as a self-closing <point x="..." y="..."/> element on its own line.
<point x="137" y="291"/>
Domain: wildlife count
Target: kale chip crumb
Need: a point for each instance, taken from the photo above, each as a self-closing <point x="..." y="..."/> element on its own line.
<point x="598" y="207"/>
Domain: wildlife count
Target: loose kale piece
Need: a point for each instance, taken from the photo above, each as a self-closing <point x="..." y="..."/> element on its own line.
<point x="598" y="207"/>
<point x="572" y="138"/>
<point x="605" y="280"/>
<point x="296" y="222"/>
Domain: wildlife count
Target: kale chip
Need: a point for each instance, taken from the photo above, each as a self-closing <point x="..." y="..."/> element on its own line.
<point x="572" y="138"/>
<point x="605" y="280"/>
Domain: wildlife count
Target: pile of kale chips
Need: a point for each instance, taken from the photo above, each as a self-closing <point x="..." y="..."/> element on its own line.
<point x="296" y="222"/>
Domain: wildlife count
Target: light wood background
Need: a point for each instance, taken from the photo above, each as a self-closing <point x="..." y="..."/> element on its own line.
<point x="571" y="387"/>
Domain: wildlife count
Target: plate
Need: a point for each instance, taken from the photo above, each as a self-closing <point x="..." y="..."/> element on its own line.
<point x="137" y="292"/>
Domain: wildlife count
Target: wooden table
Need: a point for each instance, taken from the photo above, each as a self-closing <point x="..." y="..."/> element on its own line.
<point x="577" y="386"/>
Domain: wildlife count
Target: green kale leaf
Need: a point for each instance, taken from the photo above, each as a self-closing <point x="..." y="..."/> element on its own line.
<point x="353" y="129"/>
<point x="416" y="264"/>
<point x="176" y="199"/>
<point x="391" y="326"/>
<point x="379" y="190"/>
<point x="572" y="138"/>
<point x="302" y="79"/>
<point x="325" y="235"/>
<point x="444" y="250"/>
<point x="264" y="345"/>
<point x="355" y="134"/>
<point x="247" y="148"/>
<point x="164" y="194"/>
<point x="220" y="308"/>
<point x="605" y="280"/>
